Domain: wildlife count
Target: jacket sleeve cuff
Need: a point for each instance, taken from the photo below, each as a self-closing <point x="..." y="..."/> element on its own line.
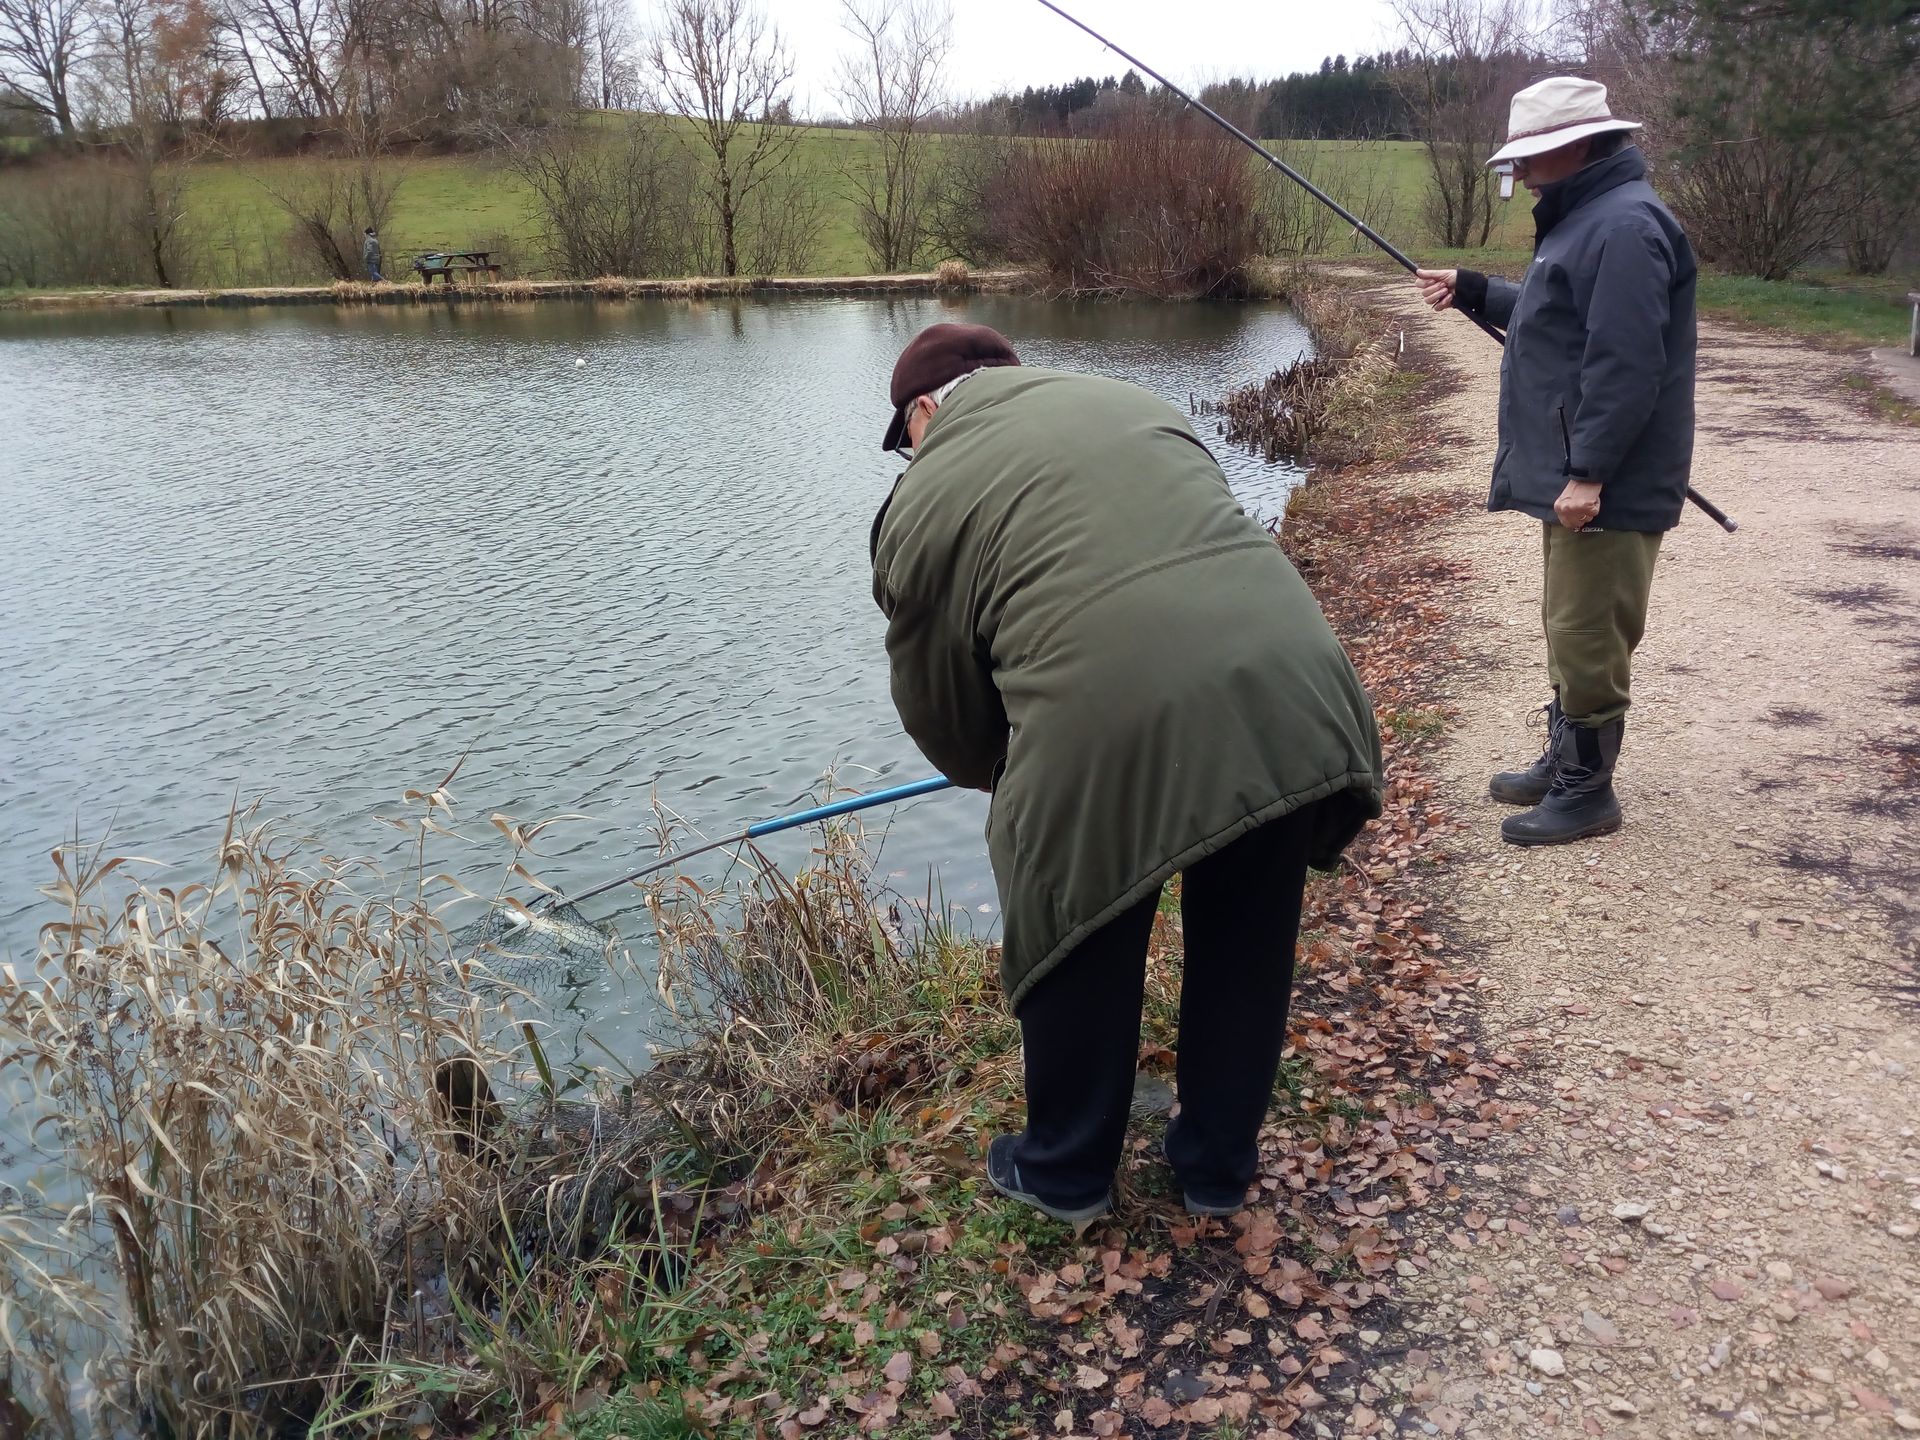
<point x="1594" y="469"/>
<point x="1470" y="290"/>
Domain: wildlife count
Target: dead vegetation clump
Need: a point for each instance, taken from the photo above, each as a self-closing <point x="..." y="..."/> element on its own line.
<point x="1325" y="408"/>
<point x="236" y="1077"/>
<point x="1150" y="207"/>
<point x="807" y="995"/>
<point x="312" y="1177"/>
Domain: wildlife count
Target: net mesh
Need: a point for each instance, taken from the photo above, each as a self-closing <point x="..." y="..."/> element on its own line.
<point x="557" y="948"/>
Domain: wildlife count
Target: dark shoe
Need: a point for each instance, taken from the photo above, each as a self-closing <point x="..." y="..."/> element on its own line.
<point x="1217" y="1206"/>
<point x="1581" y="802"/>
<point x="1219" y="1209"/>
<point x="1004" y="1175"/>
<point x="1530" y="786"/>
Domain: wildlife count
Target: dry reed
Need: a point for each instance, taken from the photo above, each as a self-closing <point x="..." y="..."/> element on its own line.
<point x="296" y="1192"/>
<point x="238" y="1075"/>
<point x="1320" y="407"/>
<point x="807" y="995"/>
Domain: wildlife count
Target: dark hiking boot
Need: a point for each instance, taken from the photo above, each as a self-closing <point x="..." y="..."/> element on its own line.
<point x="1581" y="802"/>
<point x="1530" y="786"/>
<point x="1003" y="1173"/>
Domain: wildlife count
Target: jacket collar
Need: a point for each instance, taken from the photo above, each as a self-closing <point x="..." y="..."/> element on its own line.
<point x="1563" y="197"/>
<point x="879" y="519"/>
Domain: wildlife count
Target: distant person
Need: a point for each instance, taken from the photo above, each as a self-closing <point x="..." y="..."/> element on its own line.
<point x="1082" y="621"/>
<point x="370" y="253"/>
<point x="1596" y="427"/>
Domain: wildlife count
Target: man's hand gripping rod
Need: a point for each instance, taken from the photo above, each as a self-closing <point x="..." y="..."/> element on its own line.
<point x="1713" y="512"/>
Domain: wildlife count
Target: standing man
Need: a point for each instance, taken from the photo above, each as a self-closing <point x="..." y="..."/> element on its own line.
<point x="1082" y="621"/>
<point x="370" y="252"/>
<point x="1596" y="427"/>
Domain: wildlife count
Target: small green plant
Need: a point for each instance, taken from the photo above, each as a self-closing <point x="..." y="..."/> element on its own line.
<point x="1881" y="402"/>
<point x="1422" y="722"/>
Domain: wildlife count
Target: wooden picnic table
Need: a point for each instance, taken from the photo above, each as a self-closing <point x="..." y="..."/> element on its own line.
<point x="449" y="263"/>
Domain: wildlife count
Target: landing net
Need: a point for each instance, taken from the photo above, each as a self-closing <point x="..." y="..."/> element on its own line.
<point x="553" y="949"/>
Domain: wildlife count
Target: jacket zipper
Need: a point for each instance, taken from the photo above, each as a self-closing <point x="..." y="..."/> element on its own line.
<point x="1566" y="443"/>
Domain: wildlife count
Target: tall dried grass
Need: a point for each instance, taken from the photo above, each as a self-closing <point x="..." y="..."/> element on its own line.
<point x="238" y="1075"/>
<point x="1321" y="407"/>
<point x="296" y="1195"/>
<point x="806" y="994"/>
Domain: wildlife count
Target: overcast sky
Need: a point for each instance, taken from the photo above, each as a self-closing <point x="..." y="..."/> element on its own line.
<point x="1010" y="44"/>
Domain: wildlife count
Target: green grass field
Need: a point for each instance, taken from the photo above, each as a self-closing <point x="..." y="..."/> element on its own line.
<point x="1848" y="309"/>
<point x="473" y="202"/>
<point x="464" y="201"/>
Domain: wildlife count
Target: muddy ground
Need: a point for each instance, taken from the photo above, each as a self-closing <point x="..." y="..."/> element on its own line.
<point x="1709" y="1222"/>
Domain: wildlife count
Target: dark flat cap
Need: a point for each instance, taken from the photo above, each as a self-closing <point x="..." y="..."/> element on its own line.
<point x="936" y="355"/>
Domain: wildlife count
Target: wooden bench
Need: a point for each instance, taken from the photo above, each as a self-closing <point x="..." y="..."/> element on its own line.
<point x="449" y="264"/>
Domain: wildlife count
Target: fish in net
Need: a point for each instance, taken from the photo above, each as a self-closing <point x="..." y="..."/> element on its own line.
<point x="557" y="948"/>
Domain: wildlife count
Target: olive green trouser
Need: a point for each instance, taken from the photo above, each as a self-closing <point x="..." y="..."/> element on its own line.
<point x="1594" y="609"/>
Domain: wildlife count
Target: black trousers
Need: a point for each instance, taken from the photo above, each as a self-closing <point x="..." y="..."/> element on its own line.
<point x="1080" y="1027"/>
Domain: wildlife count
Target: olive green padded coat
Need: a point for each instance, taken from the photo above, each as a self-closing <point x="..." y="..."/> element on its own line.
<point x="1081" y="619"/>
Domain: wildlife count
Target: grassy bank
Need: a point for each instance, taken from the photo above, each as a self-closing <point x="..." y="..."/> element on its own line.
<point x="1849" y="310"/>
<point x="950" y="278"/>
<point x="474" y="201"/>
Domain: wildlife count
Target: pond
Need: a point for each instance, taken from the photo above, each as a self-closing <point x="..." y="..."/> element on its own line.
<point x="604" y="551"/>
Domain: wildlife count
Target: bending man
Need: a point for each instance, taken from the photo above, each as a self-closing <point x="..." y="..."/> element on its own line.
<point x="1596" y="427"/>
<point x="1081" y="620"/>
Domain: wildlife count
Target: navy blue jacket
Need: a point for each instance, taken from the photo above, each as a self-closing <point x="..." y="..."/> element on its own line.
<point x="1600" y="340"/>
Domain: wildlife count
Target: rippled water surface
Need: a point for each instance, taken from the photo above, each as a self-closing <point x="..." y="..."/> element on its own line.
<point x="319" y="554"/>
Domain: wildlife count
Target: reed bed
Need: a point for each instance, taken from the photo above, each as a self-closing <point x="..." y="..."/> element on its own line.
<point x="806" y="994"/>
<point x="237" y="1075"/>
<point x="308" y="1182"/>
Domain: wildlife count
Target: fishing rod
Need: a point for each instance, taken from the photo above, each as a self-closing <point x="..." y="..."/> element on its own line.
<point x="1713" y="512"/>
<point x="766" y="827"/>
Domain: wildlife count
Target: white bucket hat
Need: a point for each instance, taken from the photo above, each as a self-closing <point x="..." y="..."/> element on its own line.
<point x="1557" y="112"/>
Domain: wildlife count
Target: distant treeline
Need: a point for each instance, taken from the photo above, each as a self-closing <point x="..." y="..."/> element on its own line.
<point x="1342" y="100"/>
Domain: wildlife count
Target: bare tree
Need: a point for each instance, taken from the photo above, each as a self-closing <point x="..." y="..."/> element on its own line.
<point x="154" y="82"/>
<point x="297" y="40"/>
<point x="890" y="83"/>
<point x="1885" y="205"/>
<point x="614" y="75"/>
<point x="614" y="205"/>
<point x="1465" y="60"/>
<point x="332" y="203"/>
<point x="1757" y="198"/>
<point x="1773" y="139"/>
<point x="41" y="43"/>
<point x="726" y="69"/>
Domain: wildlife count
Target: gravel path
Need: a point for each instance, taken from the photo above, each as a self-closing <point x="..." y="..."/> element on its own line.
<point x="1707" y="1222"/>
